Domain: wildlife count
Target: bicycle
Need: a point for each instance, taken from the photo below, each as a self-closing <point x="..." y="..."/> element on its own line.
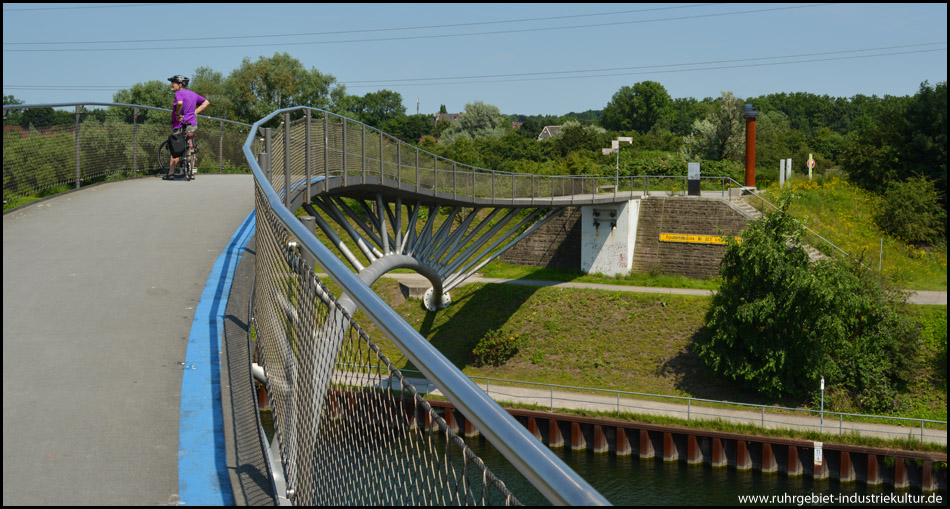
<point x="186" y="165"/>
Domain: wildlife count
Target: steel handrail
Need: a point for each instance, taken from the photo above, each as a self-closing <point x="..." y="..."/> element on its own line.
<point x="154" y="108"/>
<point x="548" y="473"/>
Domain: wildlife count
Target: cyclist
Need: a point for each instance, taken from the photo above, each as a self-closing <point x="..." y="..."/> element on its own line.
<point x="185" y="112"/>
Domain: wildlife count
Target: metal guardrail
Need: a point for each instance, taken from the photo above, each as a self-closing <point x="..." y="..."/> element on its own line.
<point x="554" y="479"/>
<point x="84" y="152"/>
<point x="332" y="151"/>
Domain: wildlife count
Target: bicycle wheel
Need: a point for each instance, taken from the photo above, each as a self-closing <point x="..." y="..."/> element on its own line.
<point x="164" y="156"/>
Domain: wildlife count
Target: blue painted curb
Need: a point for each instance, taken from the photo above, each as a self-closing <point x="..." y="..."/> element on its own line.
<point x="202" y="461"/>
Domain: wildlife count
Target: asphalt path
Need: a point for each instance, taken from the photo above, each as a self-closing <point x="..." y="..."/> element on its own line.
<point x="914" y="297"/>
<point x="100" y="288"/>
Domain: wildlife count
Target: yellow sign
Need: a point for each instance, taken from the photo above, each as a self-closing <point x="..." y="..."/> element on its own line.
<point x="694" y="239"/>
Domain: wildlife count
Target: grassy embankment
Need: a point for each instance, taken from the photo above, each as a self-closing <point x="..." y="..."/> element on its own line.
<point x="642" y="342"/>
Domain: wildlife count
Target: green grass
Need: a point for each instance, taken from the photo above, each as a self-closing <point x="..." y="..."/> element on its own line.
<point x="616" y="341"/>
<point x="498" y="269"/>
<point x="844" y="214"/>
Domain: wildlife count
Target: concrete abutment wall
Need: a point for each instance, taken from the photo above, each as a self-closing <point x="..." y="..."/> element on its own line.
<point x="559" y="243"/>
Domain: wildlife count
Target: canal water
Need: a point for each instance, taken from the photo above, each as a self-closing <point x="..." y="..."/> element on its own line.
<point x="629" y="480"/>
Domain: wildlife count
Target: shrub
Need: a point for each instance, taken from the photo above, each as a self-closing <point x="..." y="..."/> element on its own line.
<point x="496" y="347"/>
<point x="779" y="323"/>
<point x="911" y="211"/>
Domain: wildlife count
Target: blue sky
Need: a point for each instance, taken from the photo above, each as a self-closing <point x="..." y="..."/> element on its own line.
<point x="523" y="58"/>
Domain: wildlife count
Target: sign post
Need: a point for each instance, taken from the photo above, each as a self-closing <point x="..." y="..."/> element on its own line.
<point x="810" y="164"/>
<point x="615" y="148"/>
<point x="693" y="180"/>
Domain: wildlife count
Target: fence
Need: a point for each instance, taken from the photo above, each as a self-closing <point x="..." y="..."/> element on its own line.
<point x="349" y="432"/>
<point x="555" y="396"/>
<point x="321" y="151"/>
<point x="70" y="149"/>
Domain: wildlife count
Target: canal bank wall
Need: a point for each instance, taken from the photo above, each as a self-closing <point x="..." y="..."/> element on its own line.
<point x="845" y="463"/>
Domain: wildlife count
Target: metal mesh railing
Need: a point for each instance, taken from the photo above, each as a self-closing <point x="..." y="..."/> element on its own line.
<point x="52" y="150"/>
<point x="361" y="436"/>
<point x="358" y="436"/>
<point x="345" y="152"/>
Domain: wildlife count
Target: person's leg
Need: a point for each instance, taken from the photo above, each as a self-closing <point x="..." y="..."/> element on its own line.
<point x="172" y="163"/>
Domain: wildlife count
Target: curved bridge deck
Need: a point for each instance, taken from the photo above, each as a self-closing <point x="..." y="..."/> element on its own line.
<point x="100" y="291"/>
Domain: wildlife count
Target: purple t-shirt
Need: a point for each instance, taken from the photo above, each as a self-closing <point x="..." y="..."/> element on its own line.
<point x="189" y="100"/>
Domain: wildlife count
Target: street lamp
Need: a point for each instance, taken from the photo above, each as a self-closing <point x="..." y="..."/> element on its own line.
<point x="615" y="147"/>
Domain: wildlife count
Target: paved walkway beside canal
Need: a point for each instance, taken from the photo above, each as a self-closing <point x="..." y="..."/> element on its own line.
<point x="914" y="296"/>
<point x="548" y="397"/>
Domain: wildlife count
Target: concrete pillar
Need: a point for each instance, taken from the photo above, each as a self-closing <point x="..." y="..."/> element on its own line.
<point x="470" y="429"/>
<point x="555" y="439"/>
<point x="600" y="439"/>
<point x="646" y="446"/>
<point x="845" y="468"/>
<point x="670" y="452"/>
<point x="450" y="420"/>
<point x="768" y="459"/>
<point x="533" y="428"/>
<point x="623" y="443"/>
<point x="743" y="459"/>
<point x="717" y="457"/>
<point x="873" y="472"/>
<point x="577" y="437"/>
<point x="794" y="465"/>
<point x="694" y="454"/>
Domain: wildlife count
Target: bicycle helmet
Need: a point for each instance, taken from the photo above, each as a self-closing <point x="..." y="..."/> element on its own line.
<point x="178" y="78"/>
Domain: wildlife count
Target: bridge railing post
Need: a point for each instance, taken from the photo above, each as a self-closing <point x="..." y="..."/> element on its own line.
<point x="343" y="158"/>
<point x="135" y="142"/>
<point x="307" y="162"/>
<point x="286" y="159"/>
<point x="268" y="154"/>
<point x="326" y="151"/>
<point x="78" y="174"/>
<point x="220" y="146"/>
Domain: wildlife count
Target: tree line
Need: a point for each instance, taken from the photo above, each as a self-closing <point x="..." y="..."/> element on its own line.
<point x="876" y="140"/>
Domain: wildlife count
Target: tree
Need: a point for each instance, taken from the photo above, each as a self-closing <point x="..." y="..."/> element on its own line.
<point x="258" y="88"/>
<point x="377" y="109"/>
<point x="870" y="155"/>
<point x="636" y="108"/>
<point x="151" y="93"/>
<point x="576" y="137"/>
<point x="779" y="323"/>
<point x="211" y="85"/>
<point x="478" y="120"/>
<point x="911" y="212"/>
<point x="925" y="136"/>
<point x="414" y="127"/>
<point x="721" y="135"/>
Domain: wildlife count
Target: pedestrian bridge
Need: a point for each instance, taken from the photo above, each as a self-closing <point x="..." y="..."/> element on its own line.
<point x="133" y="308"/>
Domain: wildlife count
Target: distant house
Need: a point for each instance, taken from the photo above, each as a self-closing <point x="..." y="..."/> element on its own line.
<point x="549" y="131"/>
<point x="516" y="125"/>
<point x="451" y="117"/>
